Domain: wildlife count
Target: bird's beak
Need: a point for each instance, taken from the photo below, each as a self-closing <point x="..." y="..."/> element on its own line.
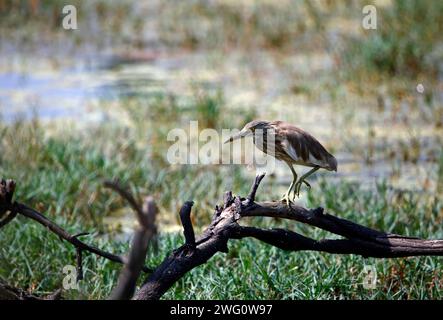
<point x="239" y="135"/>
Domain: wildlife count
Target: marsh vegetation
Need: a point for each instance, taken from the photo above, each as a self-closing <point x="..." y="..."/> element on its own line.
<point x="96" y="103"/>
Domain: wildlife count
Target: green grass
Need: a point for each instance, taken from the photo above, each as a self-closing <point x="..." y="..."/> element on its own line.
<point x="34" y="260"/>
<point x="60" y="168"/>
<point x="251" y="270"/>
<point x="402" y="45"/>
<point x="64" y="175"/>
<point x="62" y="178"/>
<point x="60" y="173"/>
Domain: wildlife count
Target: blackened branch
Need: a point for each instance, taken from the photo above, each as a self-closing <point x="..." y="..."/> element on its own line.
<point x="258" y="179"/>
<point x="292" y="241"/>
<point x="40" y="218"/>
<point x="7" y="189"/>
<point x="227" y="199"/>
<point x="7" y="212"/>
<point x="188" y="230"/>
<point x="7" y="217"/>
<point x="357" y="239"/>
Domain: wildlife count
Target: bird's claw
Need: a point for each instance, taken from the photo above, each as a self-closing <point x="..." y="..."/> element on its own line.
<point x="298" y="185"/>
<point x="286" y="198"/>
<point x="295" y="191"/>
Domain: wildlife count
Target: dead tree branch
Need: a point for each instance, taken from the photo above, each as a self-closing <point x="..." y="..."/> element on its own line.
<point x="7" y="213"/>
<point x="10" y="293"/>
<point x="358" y="239"/>
<point x="188" y="230"/>
<point x="144" y="233"/>
<point x="10" y="209"/>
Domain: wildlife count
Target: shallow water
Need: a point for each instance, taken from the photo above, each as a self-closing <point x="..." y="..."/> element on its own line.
<point x="88" y="93"/>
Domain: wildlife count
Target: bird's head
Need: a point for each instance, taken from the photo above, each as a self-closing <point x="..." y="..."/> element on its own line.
<point x="249" y="129"/>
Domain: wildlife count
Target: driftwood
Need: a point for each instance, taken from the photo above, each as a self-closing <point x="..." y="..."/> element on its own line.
<point x="356" y="239"/>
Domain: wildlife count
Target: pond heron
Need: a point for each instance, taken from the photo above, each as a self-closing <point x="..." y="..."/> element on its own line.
<point x="290" y="144"/>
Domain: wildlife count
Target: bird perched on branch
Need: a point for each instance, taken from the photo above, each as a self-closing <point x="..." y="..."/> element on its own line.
<point x="290" y="144"/>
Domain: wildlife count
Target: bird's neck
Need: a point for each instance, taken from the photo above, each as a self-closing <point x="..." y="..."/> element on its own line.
<point x="263" y="138"/>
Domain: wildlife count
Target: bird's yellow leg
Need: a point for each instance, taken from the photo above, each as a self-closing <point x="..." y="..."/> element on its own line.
<point x="288" y="192"/>
<point x="302" y="180"/>
<point x="285" y="196"/>
<point x="291" y="186"/>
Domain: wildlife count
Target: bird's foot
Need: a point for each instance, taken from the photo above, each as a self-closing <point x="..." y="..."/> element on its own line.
<point x="307" y="184"/>
<point x="298" y="185"/>
<point x="297" y="188"/>
<point x="286" y="198"/>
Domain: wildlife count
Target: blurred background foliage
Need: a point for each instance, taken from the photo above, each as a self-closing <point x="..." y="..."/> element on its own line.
<point x="80" y="106"/>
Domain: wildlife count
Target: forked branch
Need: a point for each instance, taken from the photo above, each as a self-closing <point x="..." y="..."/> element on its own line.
<point x="357" y="239"/>
<point x="10" y="209"/>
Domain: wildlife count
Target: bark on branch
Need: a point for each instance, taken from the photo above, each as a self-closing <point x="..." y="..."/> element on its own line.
<point x="10" y="293"/>
<point x="357" y="239"/>
<point x="10" y="209"/>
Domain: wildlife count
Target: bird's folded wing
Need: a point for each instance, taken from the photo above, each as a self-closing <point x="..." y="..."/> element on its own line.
<point x="305" y="149"/>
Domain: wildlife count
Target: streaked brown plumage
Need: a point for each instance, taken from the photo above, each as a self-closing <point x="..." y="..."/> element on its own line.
<point x="290" y="144"/>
